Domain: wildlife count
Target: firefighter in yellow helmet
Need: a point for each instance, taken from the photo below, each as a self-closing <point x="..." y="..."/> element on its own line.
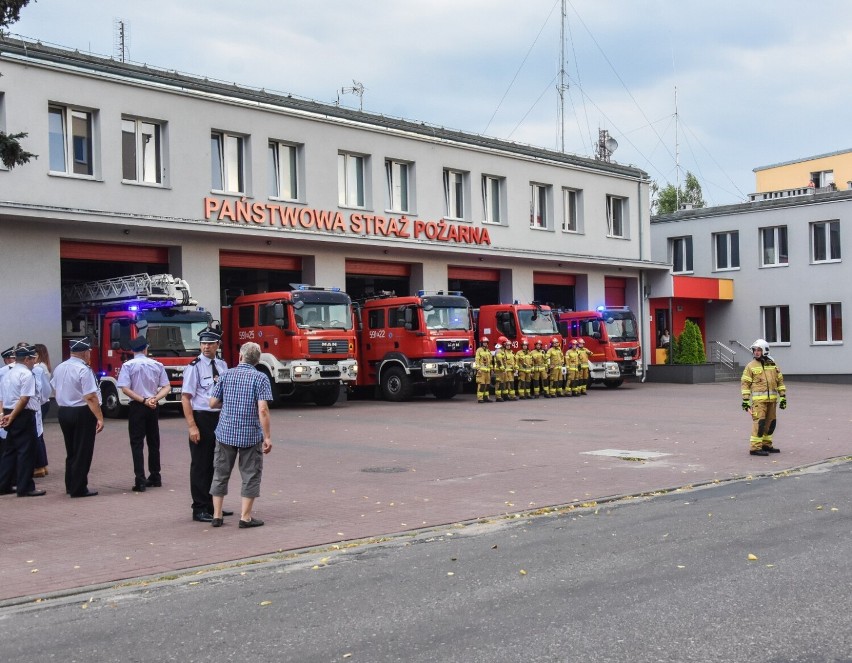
<point x="762" y="389"/>
<point x="483" y="363"/>
<point x="572" y="363"/>
<point x="583" y="375"/>
<point x="508" y="361"/>
<point x="524" y="364"/>
<point x="539" y="370"/>
<point x="556" y="368"/>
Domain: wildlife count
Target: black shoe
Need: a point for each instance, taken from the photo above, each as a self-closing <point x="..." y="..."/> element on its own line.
<point x="202" y="517"/>
<point x="759" y="452"/>
<point x="88" y="493"/>
<point x="254" y="522"/>
<point x="227" y="513"/>
<point x="138" y="488"/>
<point x="33" y="493"/>
<point x="216" y="522"/>
<point x="151" y="482"/>
<point x="7" y="492"/>
<point x="772" y="450"/>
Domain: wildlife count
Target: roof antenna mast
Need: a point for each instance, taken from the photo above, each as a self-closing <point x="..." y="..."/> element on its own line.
<point x="121" y="39"/>
<point x="563" y="86"/>
<point x="356" y="89"/>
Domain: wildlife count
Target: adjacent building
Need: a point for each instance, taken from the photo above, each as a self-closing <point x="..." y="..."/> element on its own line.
<point x="243" y="190"/>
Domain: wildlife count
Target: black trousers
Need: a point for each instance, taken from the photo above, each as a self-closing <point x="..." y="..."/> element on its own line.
<point x="17" y="461"/>
<point x="144" y="423"/>
<point x="79" y="427"/>
<point x="201" y="461"/>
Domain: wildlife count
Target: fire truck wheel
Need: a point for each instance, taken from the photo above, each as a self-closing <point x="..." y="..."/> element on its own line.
<point x="396" y="386"/>
<point x="111" y="406"/>
<point x="612" y="384"/>
<point x="445" y="390"/>
<point x="326" y="396"/>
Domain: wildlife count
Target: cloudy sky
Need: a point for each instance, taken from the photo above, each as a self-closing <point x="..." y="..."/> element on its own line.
<point x="758" y="81"/>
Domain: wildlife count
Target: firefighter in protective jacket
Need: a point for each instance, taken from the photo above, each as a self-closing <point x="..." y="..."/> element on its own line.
<point x="572" y="363"/>
<point x="762" y="389"/>
<point x="524" y="364"/>
<point x="539" y="370"/>
<point x="483" y="362"/>
<point x="583" y="375"/>
<point x="556" y="368"/>
<point x="507" y="359"/>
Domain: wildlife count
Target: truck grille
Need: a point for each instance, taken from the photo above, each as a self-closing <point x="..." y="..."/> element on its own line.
<point x="328" y="346"/>
<point x="452" y="345"/>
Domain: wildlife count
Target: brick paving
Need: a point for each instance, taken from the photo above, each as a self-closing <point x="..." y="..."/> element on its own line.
<point x="366" y="468"/>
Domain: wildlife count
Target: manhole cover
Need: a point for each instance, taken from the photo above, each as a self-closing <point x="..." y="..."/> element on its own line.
<point x="533" y="419"/>
<point x="385" y="470"/>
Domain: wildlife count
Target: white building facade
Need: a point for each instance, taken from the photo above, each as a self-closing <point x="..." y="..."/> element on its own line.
<point x="789" y="259"/>
<point x="236" y="189"/>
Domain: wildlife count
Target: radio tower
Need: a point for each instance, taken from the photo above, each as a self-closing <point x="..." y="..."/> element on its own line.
<point x="121" y="39"/>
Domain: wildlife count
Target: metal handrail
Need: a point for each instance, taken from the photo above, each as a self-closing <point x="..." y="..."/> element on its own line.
<point x="743" y="346"/>
<point x="721" y="353"/>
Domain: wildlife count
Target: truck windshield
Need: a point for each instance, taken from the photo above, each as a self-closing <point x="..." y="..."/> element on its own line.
<point x="620" y="326"/>
<point x="173" y="334"/>
<point x="448" y="317"/>
<point x="319" y="315"/>
<point x="537" y="323"/>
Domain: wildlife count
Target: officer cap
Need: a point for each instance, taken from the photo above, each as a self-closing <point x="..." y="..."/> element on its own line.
<point x="138" y="344"/>
<point x="80" y="344"/>
<point x="209" y="336"/>
<point x="25" y="351"/>
<point x="8" y="352"/>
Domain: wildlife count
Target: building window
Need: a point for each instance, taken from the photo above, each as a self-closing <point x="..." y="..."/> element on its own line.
<point x="141" y="159"/>
<point x="227" y="162"/>
<point x="827" y="323"/>
<point x="351" y="185"/>
<point x="539" y="204"/>
<point x="773" y="246"/>
<point x="454" y="206"/>
<point x="397" y="176"/>
<point x="71" y="134"/>
<point x="615" y="216"/>
<point x="825" y="241"/>
<point x="284" y="170"/>
<point x="492" y="198"/>
<point x="571" y="200"/>
<point x="680" y="252"/>
<point x="823" y="179"/>
<point x="776" y="323"/>
<point x="727" y="247"/>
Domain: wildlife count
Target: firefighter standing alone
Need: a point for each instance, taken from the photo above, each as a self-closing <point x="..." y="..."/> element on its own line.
<point x="762" y="389"/>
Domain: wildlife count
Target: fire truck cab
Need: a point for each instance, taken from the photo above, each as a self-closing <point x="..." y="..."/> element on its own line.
<point x="425" y="339"/>
<point x="112" y="312"/>
<point x="533" y="321"/>
<point x="611" y="333"/>
<point x="306" y="336"/>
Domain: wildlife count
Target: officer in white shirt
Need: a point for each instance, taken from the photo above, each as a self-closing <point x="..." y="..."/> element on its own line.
<point x="80" y="415"/>
<point x="145" y="382"/>
<point x="199" y="378"/>
<point x="20" y="402"/>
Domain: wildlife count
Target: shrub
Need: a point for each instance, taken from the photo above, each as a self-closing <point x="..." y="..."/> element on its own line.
<point x="688" y="348"/>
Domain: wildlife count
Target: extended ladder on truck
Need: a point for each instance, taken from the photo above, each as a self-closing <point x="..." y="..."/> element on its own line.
<point x="144" y="290"/>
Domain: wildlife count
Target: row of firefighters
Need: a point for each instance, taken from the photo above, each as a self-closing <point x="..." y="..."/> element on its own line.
<point x="531" y="373"/>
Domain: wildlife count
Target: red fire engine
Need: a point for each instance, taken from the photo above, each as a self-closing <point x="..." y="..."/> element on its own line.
<point x="422" y="340"/>
<point x="612" y="335"/>
<point x="516" y="321"/>
<point x="306" y="336"/>
<point x="111" y="312"/>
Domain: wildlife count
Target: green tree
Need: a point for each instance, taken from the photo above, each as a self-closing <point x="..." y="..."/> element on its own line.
<point x="11" y="152"/>
<point x="668" y="197"/>
<point x="688" y="348"/>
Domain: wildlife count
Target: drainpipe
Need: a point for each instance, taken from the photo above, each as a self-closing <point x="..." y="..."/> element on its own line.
<point x="642" y="301"/>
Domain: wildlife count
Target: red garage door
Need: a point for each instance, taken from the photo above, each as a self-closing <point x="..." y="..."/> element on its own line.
<point x="70" y="250"/>
<point x="260" y="261"/>
<point x="614" y="290"/>
<point x="371" y="268"/>
<point x="553" y="278"/>
<point x="473" y="274"/>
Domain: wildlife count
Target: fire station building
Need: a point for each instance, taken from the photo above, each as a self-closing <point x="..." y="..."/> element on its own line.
<point x="237" y="189"/>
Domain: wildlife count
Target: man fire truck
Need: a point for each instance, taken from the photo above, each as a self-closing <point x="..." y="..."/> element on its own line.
<point x="115" y="311"/>
<point x="612" y="335"/>
<point x="306" y="336"/>
<point x="422" y="340"/>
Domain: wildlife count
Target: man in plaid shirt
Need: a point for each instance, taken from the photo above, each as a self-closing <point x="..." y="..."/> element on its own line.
<point x="243" y="431"/>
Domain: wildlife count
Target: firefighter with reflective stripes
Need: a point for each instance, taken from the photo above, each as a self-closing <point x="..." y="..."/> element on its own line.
<point x="508" y="370"/>
<point x="501" y="391"/>
<point x="556" y="369"/>
<point x="483" y="362"/>
<point x="583" y="375"/>
<point x="524" y="363"/>
<point x="572" y="363"/>
<point x="762" y="390"/>
<point x="539" y="370"/>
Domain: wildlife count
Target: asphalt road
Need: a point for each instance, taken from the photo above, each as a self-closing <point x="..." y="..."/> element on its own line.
<point x="663" y="578"/>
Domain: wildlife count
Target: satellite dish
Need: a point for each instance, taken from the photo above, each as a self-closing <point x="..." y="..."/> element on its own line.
<point x="611" y="144"/>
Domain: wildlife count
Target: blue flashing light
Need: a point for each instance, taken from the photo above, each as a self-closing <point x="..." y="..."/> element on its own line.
<point x="420" y="293"/>
<point x="103" y="374"/>
<point x="133" y="307"/>
<point x="335" y="289"/>
<point x="600" y="308"/>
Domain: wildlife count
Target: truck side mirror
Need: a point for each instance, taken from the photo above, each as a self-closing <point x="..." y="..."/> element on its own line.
<point x="278" y="314"/>
<point x="115" y="335"/>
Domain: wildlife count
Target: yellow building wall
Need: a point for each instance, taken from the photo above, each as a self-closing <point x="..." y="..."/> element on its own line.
<point x="796" y="175"/>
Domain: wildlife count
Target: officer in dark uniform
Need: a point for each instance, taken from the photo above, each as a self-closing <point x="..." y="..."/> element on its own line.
<point x="20" y="402"/>
<point x="199" y="378"/>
